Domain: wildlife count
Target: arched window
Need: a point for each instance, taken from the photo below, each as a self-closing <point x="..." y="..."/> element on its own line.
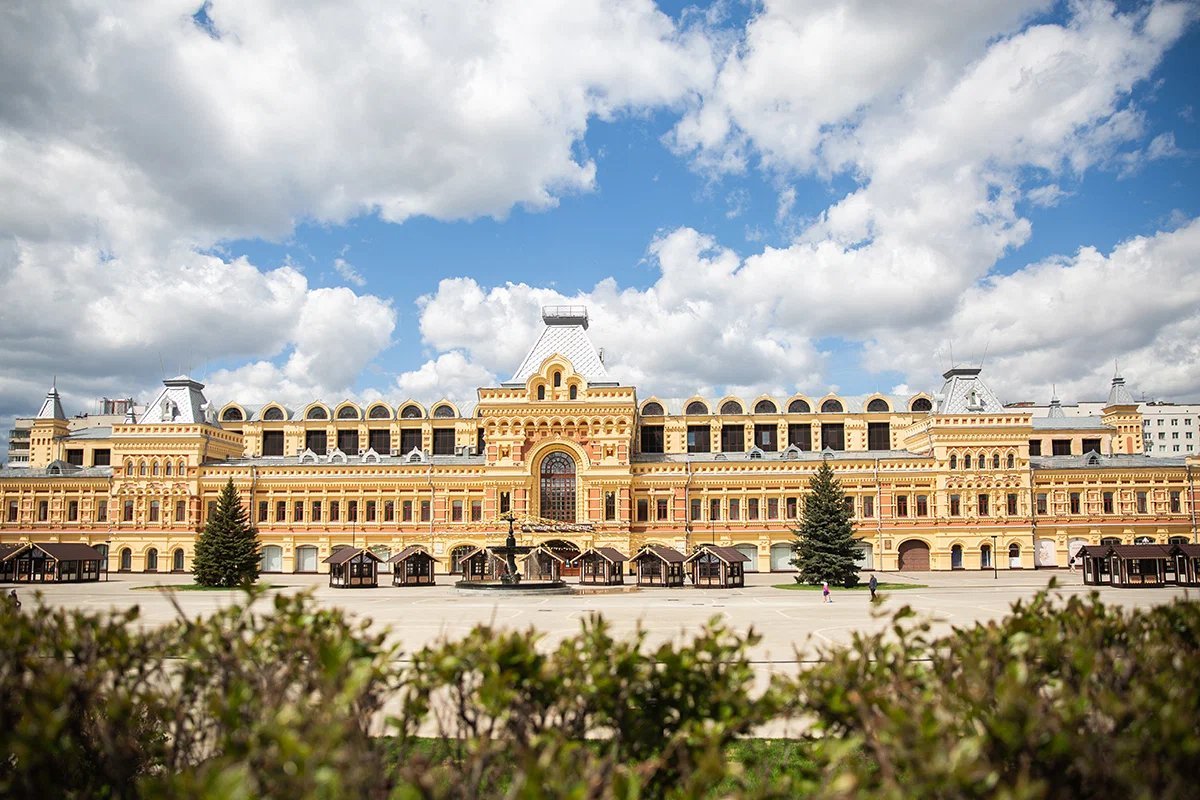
<point x="877" y="405"/>
<point x="985" y="556"/>
<point x="1014" y="551"/>
<point x="347" y="412"/>
<point x="182" y="469"/>
<point x="765" y="407"/>
<point x="831" y="406"/>
<point x="142" y="468"/>
<point x="273" y="414"/>
<point x="129" y="468"/>
<point x="151" y="560"/>
<point x="996" y="461"/>
<point x="799" y="407"/>
<point x="410" y="412"/>
<point x="697" y="407"/>
<point x="154" y="468"/>
<point x="731" y="407"/>
<point x="456" y="556"/>
<point x="956" y="557"/>
<point x="652" y="410"/>
<point x="443" y="411"/>
<point x="126" y="560"/>
<point x="558" y="487"/>
<point x="1012" y="461"/>
<point x="922" y="404"/>
<point x="167" y="468"/>
<point x="953" y="462"/>
<point x="232" y="415"/>
<point x="541" y="393"/>
<point x="557" y="379"/>
<point x="316" y="412"/>
<point x="573" y="392"/>
<point x="967" y="461"/>
<point x="177" y="561"/>
<point x="379" y="412"/>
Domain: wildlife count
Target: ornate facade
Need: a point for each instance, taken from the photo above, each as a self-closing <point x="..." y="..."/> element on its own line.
<point x="952" y="480"/>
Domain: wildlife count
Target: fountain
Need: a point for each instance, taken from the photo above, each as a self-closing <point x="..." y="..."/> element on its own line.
<point x="511" y="580"/>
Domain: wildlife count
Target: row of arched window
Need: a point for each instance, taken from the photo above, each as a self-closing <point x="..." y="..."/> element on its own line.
<point x="980" y="461"/>
<point x="150" y="562"/>
<point x="155" y="468"/>
<point x="797" y="406"/>
<point x="276" y="413"/>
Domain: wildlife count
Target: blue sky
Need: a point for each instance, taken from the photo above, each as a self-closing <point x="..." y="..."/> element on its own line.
<point x="779" y="199"/>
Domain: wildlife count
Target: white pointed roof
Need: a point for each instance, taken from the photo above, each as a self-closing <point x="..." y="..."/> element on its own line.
<point x="565" y="334"/>
<point x="964" y="393"/>
<point x="1056" y="409"/>
<point x="1118" y="395"/>
<point x="181" y="400"/>
<point x="51" y="406"/>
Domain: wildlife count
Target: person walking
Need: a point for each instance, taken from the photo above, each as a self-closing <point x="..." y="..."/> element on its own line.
<point x="873" y="584"/>
<point x="825" y="592"/>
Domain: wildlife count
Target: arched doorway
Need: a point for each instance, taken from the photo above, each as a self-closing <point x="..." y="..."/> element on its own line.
<point x="750" y="551"/>
<point x="914" y="556"/>
<point x="272" y="559"/>
<point x="565" y="550"/>
<point x="1073" y="549"/>
<point x="177" y="560"/>
<point x="306" y="558"/>
<point x="556" y="482"/>
<point x="102" y="549"/>
<point x="126" y="560"/>
<point x="1014" y="556"/>
<point x="781" y="558"/>
<point x="985" y="556"/>
<point x="151" y="560"/>
<point x="1046" y="553"/>
<point x="866" y="555"/>
<point x="956" y="557"/>
<point x="456" y="556"/>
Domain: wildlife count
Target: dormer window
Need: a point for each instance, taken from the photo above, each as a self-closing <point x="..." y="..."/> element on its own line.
<point x="541" y="393"/>
<point x="169" y="410"/>
<point x="573" y="393"/>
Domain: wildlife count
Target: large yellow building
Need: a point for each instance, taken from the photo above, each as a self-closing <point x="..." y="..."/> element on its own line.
<point x="952" y="480"/>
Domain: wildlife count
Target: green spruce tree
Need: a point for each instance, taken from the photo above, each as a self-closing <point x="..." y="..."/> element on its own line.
<point x="824" y="545"/>
<point x="227" y="552"/>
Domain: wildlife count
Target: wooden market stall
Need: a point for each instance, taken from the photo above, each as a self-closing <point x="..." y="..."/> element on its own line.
<point x="1128" y="565"/>
<point x="353" y="568"/>
<point x="659" y="565"/>
<point x="1186" y="559"/>
<point x="413" y="566"/>
<point x="716" y="567"/>
<point x="601" y="566"/>
<point x="542" y="564"/>
<point x="50" y="562"/>
<point x="481" y="564"/>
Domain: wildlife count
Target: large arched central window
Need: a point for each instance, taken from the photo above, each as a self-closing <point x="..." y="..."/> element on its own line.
<point x="558" y="487"/>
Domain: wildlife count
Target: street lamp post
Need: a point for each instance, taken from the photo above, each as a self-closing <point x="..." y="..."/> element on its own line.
<point x="995" y="568"/>
<point x="107" y="556"/>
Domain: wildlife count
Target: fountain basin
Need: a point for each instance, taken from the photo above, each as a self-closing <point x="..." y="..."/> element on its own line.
<point x="524" y="587"/>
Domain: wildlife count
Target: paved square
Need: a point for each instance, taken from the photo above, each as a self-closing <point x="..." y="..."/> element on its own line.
<point x="789" y="621"/>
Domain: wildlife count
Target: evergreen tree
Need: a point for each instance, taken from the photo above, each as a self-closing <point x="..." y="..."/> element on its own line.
<point x="227" y="552"/>
<point x="824" y="545"/>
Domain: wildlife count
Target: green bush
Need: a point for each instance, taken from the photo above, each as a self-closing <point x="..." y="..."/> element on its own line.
<point x="275" y="697"/>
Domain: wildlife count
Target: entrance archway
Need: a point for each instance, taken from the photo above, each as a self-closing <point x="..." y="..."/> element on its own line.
<point x="914" y="556"/>
<point x="781" y="558"/>
<point x="866" y="555"/>
<point x="1014" y="556"/>
<point x="306" y="558"/>
<point x="750" y="551"/>
<point x="1046" y="553"/>
<point x="177" y="560"/>
<point x="272" y="559"/>
<point x="456" y="555"/>
<point x="556" y="482"/>
<point x="956" y="557"/>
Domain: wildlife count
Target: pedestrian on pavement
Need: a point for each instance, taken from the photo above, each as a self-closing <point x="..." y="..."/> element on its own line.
<point x="825" y="592"/>
<point x="873" y="584"/>
<point x="1071" y="563"/>
<point x="16" y="601"/>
